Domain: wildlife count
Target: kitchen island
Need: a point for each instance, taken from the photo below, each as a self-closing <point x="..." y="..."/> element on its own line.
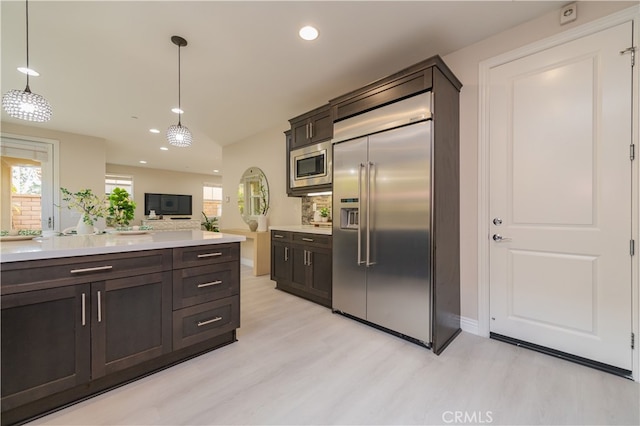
<point x="82" y="314"/>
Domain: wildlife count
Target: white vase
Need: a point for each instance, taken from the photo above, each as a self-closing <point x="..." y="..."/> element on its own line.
<point x="262" y="223"/>
<point x="82" y="228"/>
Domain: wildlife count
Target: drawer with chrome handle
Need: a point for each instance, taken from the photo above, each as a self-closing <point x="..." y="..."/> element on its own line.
<point x="200" y="284"/>
<point x="56" y="272"/>
<point x="317" y="240"/>
<point x="280" y="236"/>
<point x="185" y="257"/>
<point x="205" y="321"/>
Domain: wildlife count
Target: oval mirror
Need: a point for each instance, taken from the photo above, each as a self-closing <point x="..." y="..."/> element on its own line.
<point x="253" y="194"/>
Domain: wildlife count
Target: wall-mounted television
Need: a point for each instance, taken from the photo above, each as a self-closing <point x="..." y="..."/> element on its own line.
<point x="167" y="204"/>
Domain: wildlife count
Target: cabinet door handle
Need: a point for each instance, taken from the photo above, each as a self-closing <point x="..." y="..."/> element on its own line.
<point x="307" y="239"/>
<point x="278" y="236"/>
<point x="286" y="254"/>
<point x="99" y="308"/>
<point x="310" y="130"/>
<point x="201" y="323"/>
<point x="84" y="310"/>
<point x="309" y="254"/>
<point x="200" y="256"/>
<point x="209" y="284"/>
<point x="306" y="128"/>
<point x="97" y="268"/>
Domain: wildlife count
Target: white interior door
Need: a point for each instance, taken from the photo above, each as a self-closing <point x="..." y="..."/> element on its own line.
<point x="560" y="197"/>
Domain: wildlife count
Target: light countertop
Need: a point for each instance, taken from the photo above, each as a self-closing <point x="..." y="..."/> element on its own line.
<point x="83" y="245"/>
<point x="309" y="229"/>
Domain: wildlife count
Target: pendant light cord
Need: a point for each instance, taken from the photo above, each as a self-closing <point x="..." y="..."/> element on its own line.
<point x="179" y="105"/>
<point x="28" y="69"/>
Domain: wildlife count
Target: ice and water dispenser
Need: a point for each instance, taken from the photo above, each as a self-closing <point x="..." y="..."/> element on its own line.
<point x="349" y="216"/>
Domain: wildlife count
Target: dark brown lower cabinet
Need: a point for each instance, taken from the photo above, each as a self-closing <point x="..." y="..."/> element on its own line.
<point x="129" y="322"/>
<point x="45" y="343"/>
<point x="98" y="327"/>
<point x="301" y="264"/>
<point x="59" y="338"/>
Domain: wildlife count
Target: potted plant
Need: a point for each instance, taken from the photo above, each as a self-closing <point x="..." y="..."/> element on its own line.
<point x="210" y="223"/>
<point x="121" y="208"/>
<point x="89" y="205"/>
<point x="324" y="214"/>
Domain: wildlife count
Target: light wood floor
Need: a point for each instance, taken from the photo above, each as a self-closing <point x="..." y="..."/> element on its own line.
<point x="297" y="363"/>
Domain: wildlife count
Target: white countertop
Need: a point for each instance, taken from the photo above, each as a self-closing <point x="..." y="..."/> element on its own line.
<point x="309" y="229"/>
<point x="83" y="245"/>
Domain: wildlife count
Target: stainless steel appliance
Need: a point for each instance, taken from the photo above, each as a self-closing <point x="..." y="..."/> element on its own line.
<point x="382" y="192"/>
<point x="311" y="165"/>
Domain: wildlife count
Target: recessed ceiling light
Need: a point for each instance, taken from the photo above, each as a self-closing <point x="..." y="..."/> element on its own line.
<point x="177" y="110"/>
<point x="308" y="33"/>
<point x="143" y="162"/>
<point x="164" y="148"/>
<point x="28" y="71"/>
<point x="216" y="171"/>
<point x="154" y="130"/>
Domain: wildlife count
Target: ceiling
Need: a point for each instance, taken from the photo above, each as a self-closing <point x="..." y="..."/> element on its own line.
<point x="109" y="69"/>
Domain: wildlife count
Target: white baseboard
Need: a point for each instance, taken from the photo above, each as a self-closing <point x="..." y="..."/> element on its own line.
<point x="246" y="262"/>
<point x="469" y="325"/>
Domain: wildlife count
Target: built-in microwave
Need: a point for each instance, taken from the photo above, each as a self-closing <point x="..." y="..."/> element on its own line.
<point x="311" y="165"/>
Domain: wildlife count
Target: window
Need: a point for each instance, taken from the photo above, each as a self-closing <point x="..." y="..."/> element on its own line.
<point x="212" y="200"/>
<point x="118" y="181"/>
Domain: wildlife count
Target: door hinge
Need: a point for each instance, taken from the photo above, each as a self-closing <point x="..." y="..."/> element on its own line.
<point x="633" y="341"/>
<point x="632" y="247"/>
<point x="632" y="51"/>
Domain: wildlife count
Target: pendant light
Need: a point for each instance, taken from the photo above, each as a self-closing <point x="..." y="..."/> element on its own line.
<point x="179" y="135"/>
<point x="24" y="104"/>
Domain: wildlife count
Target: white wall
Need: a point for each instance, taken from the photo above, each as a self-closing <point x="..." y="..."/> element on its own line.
<point x="266" y="150"/>
<point x="166" y="182"/>
<point x="465" y="65"/>
<point x="81" y="163"/>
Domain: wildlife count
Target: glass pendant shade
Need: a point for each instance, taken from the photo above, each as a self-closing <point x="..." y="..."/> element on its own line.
<point x="25" y="105"/>
<point x="179" y="135"/>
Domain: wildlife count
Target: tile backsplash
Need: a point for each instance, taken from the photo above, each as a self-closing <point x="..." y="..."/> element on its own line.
<point x="307" y="207"/>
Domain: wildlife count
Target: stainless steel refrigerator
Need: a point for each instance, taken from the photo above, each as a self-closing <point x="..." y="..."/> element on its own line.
<point x="383" y="218"/>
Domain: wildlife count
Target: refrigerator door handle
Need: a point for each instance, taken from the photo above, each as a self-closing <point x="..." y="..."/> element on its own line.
<point x="360" y="168"/>
<point x="368" y="260"/>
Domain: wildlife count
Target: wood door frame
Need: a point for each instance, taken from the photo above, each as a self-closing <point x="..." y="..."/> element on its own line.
<point x="630" y="14"/>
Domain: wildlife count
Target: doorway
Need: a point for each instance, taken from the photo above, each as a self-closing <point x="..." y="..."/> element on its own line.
<point x="556" y="226"/>
<point x="28" y="170"/>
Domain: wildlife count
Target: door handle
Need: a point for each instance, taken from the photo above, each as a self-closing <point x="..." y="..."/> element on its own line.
<point x="84" y="310"/>
<point x="359" y="260"/>
<point x="500" y="239"/>
<point x="370" y="166"/>
<point x="286" y="254"/>
<point x="99" y="308"/>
